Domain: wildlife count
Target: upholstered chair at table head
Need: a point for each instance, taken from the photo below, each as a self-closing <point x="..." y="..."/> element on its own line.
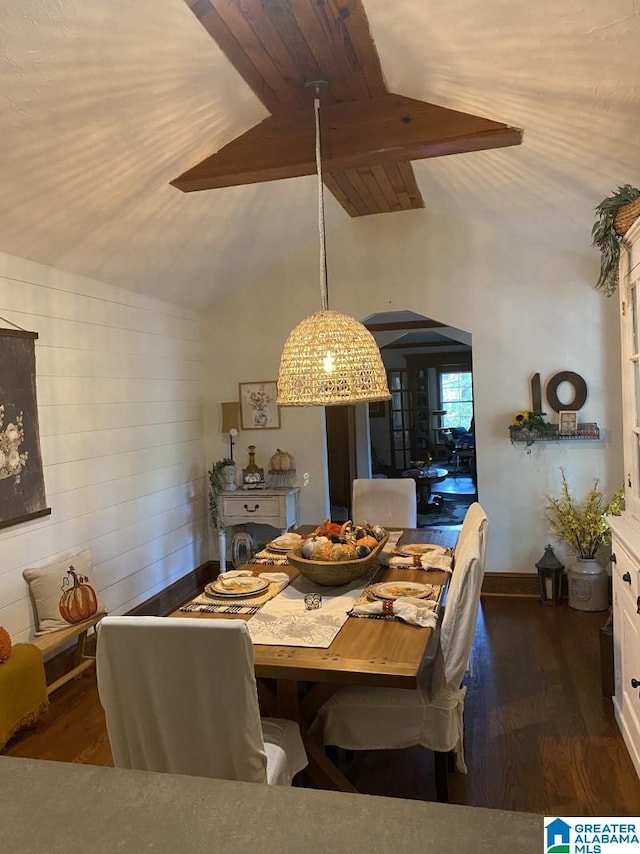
<point x="386" y="502"/>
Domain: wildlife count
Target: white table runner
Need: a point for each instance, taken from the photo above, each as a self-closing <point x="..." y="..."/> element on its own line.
<point x="284" y="621"/>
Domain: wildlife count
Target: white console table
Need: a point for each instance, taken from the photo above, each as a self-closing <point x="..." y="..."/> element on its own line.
<point x="275" y="507"/>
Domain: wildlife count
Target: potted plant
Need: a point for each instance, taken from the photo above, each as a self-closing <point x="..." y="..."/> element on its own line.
<point x="217" y="484"/>
<point x="583" y="525"/>
<point x="612" y="223"/>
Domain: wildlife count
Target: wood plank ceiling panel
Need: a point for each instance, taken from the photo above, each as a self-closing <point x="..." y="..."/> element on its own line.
<point x="279" y="45"/>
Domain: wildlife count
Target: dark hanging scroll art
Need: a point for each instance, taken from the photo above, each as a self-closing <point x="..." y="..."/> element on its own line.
<point x="22" y="495"/>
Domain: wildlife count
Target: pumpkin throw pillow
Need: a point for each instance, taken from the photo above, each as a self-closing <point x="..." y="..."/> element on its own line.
<point x="63" y="592"/>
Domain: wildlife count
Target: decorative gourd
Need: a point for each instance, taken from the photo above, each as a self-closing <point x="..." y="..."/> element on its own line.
<point x="79" y="602"/>
<point x="282" y="461"/>
<point x="369" y="541"/>
<point x="327" y="528"/>
<point x="322" y="552"/>
<point x="309" y="546"/>
<point x="347" y="529"/>
<point x="5" y="645"/>
<point x="343" y="551"/>
<point x="362" y="550"/>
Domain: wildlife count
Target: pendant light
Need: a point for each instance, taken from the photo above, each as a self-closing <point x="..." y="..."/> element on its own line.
<point x="329" y="358"/>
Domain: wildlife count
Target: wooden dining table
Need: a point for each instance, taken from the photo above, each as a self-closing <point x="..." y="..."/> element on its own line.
<point x="294" y="681"/>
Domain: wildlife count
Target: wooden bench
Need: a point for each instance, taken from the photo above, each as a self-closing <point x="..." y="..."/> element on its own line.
<point x="55" y="640"/>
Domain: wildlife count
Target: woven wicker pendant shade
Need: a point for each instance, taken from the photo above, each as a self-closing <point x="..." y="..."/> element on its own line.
<point x="330" y="359"/>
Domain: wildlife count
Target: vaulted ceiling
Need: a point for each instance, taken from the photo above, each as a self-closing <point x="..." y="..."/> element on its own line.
<point x="103" y="104"/>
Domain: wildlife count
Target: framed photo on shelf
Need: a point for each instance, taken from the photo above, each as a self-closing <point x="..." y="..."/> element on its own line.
<point x="568" y="422"/>
<point x="258" y="407"/>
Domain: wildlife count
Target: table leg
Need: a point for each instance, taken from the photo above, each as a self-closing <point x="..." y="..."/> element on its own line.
<point x="322" y="770"/>
<point x="303" y="710"/>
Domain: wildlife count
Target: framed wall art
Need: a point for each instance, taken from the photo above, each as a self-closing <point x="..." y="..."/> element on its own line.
<point x="22" y="495"/>
<point x="258" y="407"/>
<point x="567" y="422"/>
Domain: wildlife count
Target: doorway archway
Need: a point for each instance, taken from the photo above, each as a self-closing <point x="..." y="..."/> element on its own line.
<point x="430" y="417"/>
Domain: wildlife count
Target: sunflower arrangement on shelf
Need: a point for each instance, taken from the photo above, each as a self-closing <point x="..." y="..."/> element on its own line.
<point x="527" y="426"/>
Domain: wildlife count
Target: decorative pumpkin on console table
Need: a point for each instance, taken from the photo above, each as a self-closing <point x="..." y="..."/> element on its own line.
<point x="282" y="470"/>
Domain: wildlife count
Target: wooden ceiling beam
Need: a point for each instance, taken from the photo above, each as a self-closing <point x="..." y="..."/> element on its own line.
<point x="355" y="135"/>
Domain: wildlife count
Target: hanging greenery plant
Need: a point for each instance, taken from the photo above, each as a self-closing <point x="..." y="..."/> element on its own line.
<point x="216" y="486"/>
<point x="607" y="234"/>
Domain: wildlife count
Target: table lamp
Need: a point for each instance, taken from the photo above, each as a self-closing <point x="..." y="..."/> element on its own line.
<point x="231" y="422"/>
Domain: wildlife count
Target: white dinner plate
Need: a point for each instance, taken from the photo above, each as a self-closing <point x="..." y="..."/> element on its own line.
<point x="400" y="589"/>
<point x="285" y="543"/>
<point x="244" y="585"/>
<point x="411" y="549"/>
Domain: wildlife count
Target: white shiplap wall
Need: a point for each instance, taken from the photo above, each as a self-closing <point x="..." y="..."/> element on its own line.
<point x="121" y="432"/>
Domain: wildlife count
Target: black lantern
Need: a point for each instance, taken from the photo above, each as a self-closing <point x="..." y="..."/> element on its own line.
<point x="550" y="577"/>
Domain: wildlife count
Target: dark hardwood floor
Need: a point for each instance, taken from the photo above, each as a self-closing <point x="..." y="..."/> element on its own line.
<point x="540" y="737"/>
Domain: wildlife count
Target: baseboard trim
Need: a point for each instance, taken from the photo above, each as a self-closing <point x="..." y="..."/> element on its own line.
<point x="511" y="584"/>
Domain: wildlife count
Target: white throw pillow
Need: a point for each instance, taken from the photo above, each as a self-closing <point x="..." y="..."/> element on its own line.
<point x="63" y="592"/>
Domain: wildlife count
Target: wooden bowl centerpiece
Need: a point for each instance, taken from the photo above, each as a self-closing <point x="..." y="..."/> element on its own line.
<point x="333" y="573"/>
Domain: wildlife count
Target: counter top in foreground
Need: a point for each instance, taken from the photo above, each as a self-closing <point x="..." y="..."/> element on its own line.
<point x="55" y="807"/>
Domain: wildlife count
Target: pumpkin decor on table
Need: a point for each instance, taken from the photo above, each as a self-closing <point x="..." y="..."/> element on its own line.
<point x="336" y="554"/>
<point x="5" y="645"/>
<point x="282" y="470"/>
<point x="78" y="601"/>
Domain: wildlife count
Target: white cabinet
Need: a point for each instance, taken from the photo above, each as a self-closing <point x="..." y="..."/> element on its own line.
<point x="275" y="507"/>
<point x="626" y="636"/>
<point x="626" y="528"/>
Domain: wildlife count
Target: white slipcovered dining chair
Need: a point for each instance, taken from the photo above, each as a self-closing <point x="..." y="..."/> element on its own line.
<point x="475" y="520"/>
<point x="385" y="501"/>
<point x="432" y="715"/>
<point x="180" y="696"/>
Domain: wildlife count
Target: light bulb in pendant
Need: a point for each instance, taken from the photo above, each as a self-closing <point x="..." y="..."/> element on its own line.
<point x="329" y="362"/>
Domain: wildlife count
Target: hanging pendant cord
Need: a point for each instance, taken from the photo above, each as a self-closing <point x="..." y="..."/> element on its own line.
<point x="324" y="291"/>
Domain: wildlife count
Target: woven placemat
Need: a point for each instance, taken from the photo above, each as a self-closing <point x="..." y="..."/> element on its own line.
<point x="206" y="604"/>
<point x="367" y="598"/>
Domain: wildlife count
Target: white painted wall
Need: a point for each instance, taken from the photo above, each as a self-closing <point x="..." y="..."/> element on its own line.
<point x="529" y="308"/>
<point x="121" y="429"/>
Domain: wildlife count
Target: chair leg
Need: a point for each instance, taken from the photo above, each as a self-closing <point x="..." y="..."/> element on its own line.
<point x="339" y="755"/>
<point x="441" y="761"/>
<point x="451" y="761"/>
